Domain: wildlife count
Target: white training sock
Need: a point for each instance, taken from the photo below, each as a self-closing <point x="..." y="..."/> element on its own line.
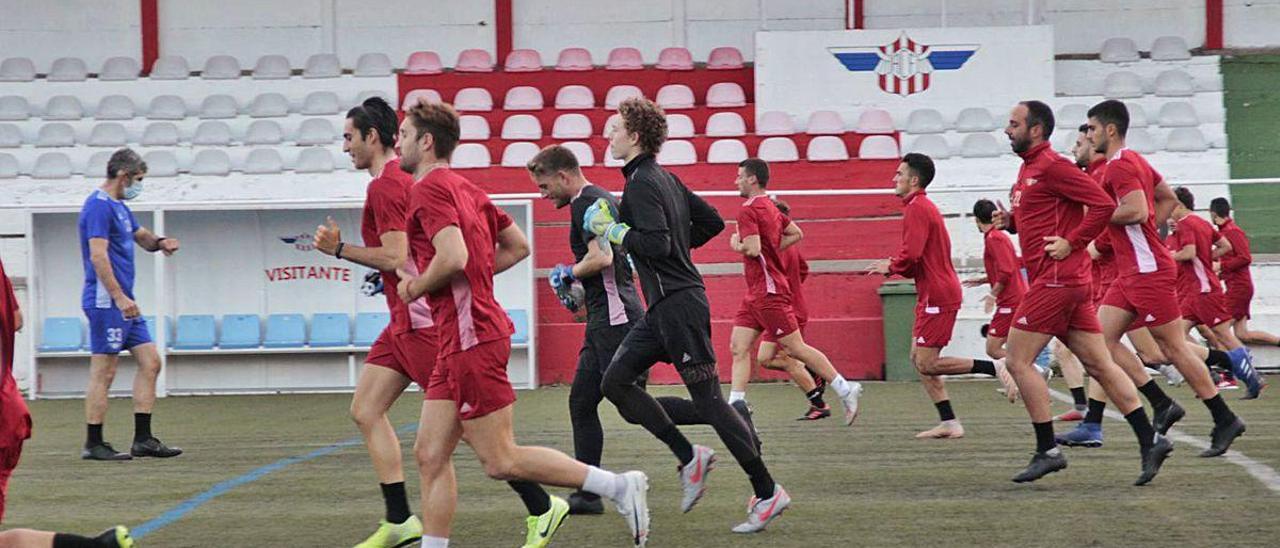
<point x="434" y="542"/>
<point x="842" y="386"/>
<point x="735" y="395"/>
<point x="604" y="483"/>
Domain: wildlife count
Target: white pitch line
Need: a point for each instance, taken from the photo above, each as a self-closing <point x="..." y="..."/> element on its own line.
<point x="1265" y="475"/>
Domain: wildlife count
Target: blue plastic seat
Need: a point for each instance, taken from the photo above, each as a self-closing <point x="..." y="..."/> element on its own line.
<point x="195" y="332"/>
<point x="241" y="331"/>
<point x="521" y="320"/>
<point x="368" y="326"/>
<point x="61" y="335"/>
<point x="286" y="331"/>
<point x="329" y="330"/>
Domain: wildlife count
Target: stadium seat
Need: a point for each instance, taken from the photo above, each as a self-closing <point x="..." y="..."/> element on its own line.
<point x="522" y="60"/>
<point x="570" y="126"/>
<point x="1071" y="116"/>
<point x="170" y="67"/>
<point x="414" y="96"/>
<point x="150" y="321"/>
<point x="424" y="62"/>
<point x="825" y="122"/>
<point x="980" y="145"/>
<point x="10" y="136"/>
<point x="473" y="100"/>
<point x="624" y="59"/>
<point x="778" y="149"/>
<point x="269" y="105"/>
<point x="925" y="120"/>
<point x="975" y="119"/>
<point x="726" y="124"/>
<point x="775" y="123"/>
<point x="520" y="320"/>
<point x="474" y="60"/>
<point x="67" y="69"/>
<point x="316" y="131"/>
<point x="470" y="156"/>
<point x="263" y="161"/>
<point x="272" y="67"/>
<point x="473" y="128"/>
<point x="9" y="167"/>
<point x="221" y="67"/>
<point x="96" y="165"/>
<point x="264" y="132"/>
<point x="874" y="120"/>
<point x="932" y="145"/>
<point x="679" y="126"/>
<point x="14" y="107"/>
<point x="195" y="332"/>
<point x="1137" y="115"/>
<point x="878" y="147"/>
<point x="322" y="65"/>
<point x="582" y="151"/>
<point x="119" y="69"/>
<point x="674" y="58"/>
<point x="17" y="69"/>
<point x="211" y="162"/>
<point x="162" y="134"/>
<point x="523" y="98"/>
<point x="368" y="326"/>
<point x="321" y="102"/>
<point x="726" y="95"/>
<point x="1140" y="141"/>
<point x="1174" y="83"/>
<point x="314" y="160"/>
<point x="616" y="118"/>
<point x="61" y="335"/>
<point x="220" y="106"/>
<point x="115" y="107"/>
<point x="518" y="154"/>
<point x="285" y="331"/>
<point x="724" y="58"/>
<point x="1118" y="50"/>
<point x="677" y="153"/>
<point x="366" y="94"/>
<point x="167" y="107"/>
<point x="574" y="60"/>
<point x="212" y="133"/>
<point x="240" y="331"/>
<point x="330" y="330"/>
<point x="372" y="65"/>
<point x="63" y="107"/>
<point x="618" y="94"/>
<point x="56" y="135"/>
<point x="108" y="134"/>
<point x="1178" y="114"/>
<point x="726" y="151"/>
<point x="1170" y="48"/>
<point x="826" y="148"/>
<point x="521" y="127"/>
<point x="161" y="163"/>
<point x="1122" y="85"/>
<point x="1186" y="139"/>
<point x="575" y="98"/>
<point x="675" y="96"/>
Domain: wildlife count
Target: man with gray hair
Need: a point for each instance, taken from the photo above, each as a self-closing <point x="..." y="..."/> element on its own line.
<point x="108" y="231"/>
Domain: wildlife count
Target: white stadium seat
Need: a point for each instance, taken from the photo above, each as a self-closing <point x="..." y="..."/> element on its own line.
<point x="679" y="126"/>
<point x="616" y="118"/>
<point x="220" y="106"/>
<point x="63" y="107"/>
<point x="211" y="162"/>
<point x="473" y="60"/>
<point x="52" y="165"/>
<point x="119" y="69"/>
<point x="212" y="134"/>
<point x="1122" y="85"/>
<point x="980" y="145"/>
<point x="727" y="151"/>
<point x="170" y="67"/>
<point x="473" y="128"/>
<point x="14" y="107"/>
<point x="67" y="69"/>
<point x="675" y="96"/>
<point x="316" y="131"/>
<point x="372" y="64"/>
<point x="874" y="120"/>
<point x="1071" y="116"/>
<point x="1118" y="50"/>
<point x="264" y="132"/>
<point x="726" y="95"/>
<point x="161" y="163"/>
<point x="473" y="100"/>
<point x="726" y="124"/>
<point x="575" y="60"/>
<point x="314" y="160"/>
<point x="624" y="59"/>
<point x="322" y="65"/>
<point x="523" y="98"/>
<point x="163" y="134"/>
<point x="975" y="119"/>
<point x="575" y="98"/>
<point x="582" y="151"/>
<point x="272" y="67"/>
<point x="56" y="135"/>
<point x="518" y="154"/>
<point x="269" y="105"/>
<point x="932" y="145"/>
<point x="17" y="69"/>
<point x="415" y="96"/>
<point x="470" y="155"/>
<point x="321" y="102"/>
<point x="826" y="148"/>
<point x="221" y="67"/>
<point x="1137" y="115"/>
<point x="677" y="153"/>
<point x="825" y="122"/>
<point x="521" y="127"/>
<point x="674" y="58"/>
<point x="724" y="58"/>
<point x="167" y="107"/>
<point x="1186" y="139"/>
<point x="108" y="134"/>
<point x="424" y="62"/>
<point x="1174" y="83"/>
<point x="523" y="60"/>
<point x="1178" y="114"/>
<point x="1170" y="48"/>
<point x="878" y="147"/>
<point x="96" y="165"/>
<point x="926" y="120"/>
<point x="1140" y="141"/>
<point x="115" y="107"/>
<point x="620" y="93"/>
<point x="778" y="149"/>
<point x="571" y="126"/>
<point x="262" y="161"/>
<point x="775" y="123"/>
<point x="8" y="167"/>
<point x="10" y="136"/>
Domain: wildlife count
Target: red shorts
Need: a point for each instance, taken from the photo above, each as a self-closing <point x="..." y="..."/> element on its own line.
<point x="771" y="315"/>
<point x="1000" y="322"/>
<point x="1153" y="298"/>
<point x="1204" y="309"/>
<point x="8" y="461"/>
<point x="1057" y="311"/>
<point x="474" y="379"/>
<point x="769" y="337"/>
<point x="1237" y="300"/>
<point x="933" y="326"/>
<point x="412" y="353"/>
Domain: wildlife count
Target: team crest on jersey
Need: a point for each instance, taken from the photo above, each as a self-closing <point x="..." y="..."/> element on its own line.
<point x="904" y="66"/>
<point x="1030" y="181"/>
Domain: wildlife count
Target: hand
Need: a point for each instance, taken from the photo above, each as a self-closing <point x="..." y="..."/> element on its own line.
<point x="561" y="276"/>
<point x="169" y="246"/>
<point x="988" y="303"/>
<point x="127" y="307"/>
<point x="1217" y="269"/>
<point x="327" y="237"/>
<point x="402" y="290"/>
<point x="1057" y="247"/>
<point x="735" y="242"/>
<point x="1000" y="217"/>
<point x="879" y="267"/>
<point x="599" y="220"/>
<point x="17" y="319"/>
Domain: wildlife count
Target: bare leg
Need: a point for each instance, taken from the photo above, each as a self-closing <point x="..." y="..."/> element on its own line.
<point x="1174" y="345"/>
<point x="1072" y="371"/>
<point x="1248" y="336"/>
<point x="1091" y="348"/>
<point x="376" y="390"/>
<point x="26" y="538"/>
<point x="995" y="347"/>
<point x="1115" y="321"/>
<point x="1023" y="347"/>
<point x="925" y="359"/>
<point x="771" y="357"/>
<point x="102" y="372"/>
<point x="438" y="435"/>
<point x="740" y="341"/>
<point x="144" y="382"/>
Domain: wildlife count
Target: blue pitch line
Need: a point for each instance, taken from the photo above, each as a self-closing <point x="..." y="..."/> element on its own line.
<point x="187" y="506"/>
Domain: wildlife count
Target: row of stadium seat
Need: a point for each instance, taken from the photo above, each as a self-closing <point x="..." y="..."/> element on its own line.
<point x="573" y="59"/>
<point x="241" y="331"/>
<point x="577" y="97"/>
<point x="676" y="152"/>
<point x="1125" y="50"/>
<point x="173" y="107"/>
<point x="977" y="119"/>
<point x="988" y="145"/>
<point x="302" y="131"/>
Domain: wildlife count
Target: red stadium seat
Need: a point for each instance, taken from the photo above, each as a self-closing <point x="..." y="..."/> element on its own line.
<point x="675" y="58"/>
<point x="724" y="58"/>
<point x="424" y="62"/>
<point x="625" y="59"/>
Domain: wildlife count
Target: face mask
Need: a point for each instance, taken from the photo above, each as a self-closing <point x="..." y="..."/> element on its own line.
<point x="132" y="191"/>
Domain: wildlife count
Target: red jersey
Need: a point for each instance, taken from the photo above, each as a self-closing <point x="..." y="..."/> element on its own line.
<point x="1104" y="267"/>
<point x="1196" y="276"/>
<point x="765" y="273"/>
<point x="1235" y="265"/>
<point x="926" y="254"/>
<point x="465" y="311"/>
<point x="1138" y="247"/>
<point x="797" y="272"/>
<point x="1003" y="267"/>
<point x="1049" y="199"/>
<point x="15" y="420"/>
<point x="386" y="200"/>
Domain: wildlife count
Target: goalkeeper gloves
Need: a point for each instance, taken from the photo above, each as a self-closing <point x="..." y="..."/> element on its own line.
<point x="599" y="220"/>
<point x="561" y="280"/>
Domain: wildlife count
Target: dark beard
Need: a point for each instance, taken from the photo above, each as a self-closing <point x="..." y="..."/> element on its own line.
<point x="1020" y="145"/>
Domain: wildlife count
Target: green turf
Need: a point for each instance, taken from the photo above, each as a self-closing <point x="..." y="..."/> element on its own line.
<point x="1252" y="85"/>
<point x="872" y="485"/>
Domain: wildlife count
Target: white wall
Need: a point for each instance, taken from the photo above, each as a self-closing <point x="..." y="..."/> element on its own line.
<point x="1250" y="23"/>
<point x="93" y="31"/>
